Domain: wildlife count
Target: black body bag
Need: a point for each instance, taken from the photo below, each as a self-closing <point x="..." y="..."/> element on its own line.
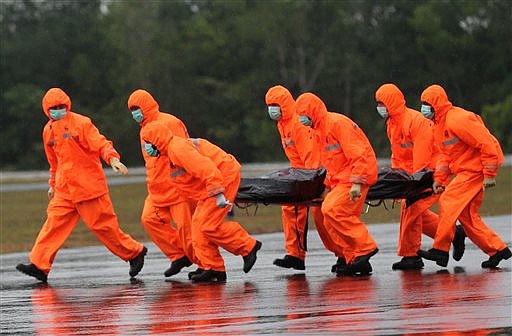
<point x="293" y="185"/>
<point x="398" y="184"/>
<point x="289" y="185"/>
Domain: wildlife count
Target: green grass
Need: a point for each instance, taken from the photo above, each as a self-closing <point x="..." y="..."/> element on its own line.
<point x="23" y="213"/>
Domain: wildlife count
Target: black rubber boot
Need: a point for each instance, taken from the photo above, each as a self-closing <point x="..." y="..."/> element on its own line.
<point x="209" y="276"/>
<point x="458" y="243"/>
<point x="250" y="259"/>
<point x="290" y="262"/>
<point x="137" y="262"/>
<point x="33" y="271"/>
<point x="361" y="268"/>
<point x="197" y="271"/>
<point x="177" y="265"/>
<point x="341" y="264"/>
<point x="495" y="259"/>
<point x="408" y="263"/>
<point x="361" y="264"/>
<point x="440" y="257"/>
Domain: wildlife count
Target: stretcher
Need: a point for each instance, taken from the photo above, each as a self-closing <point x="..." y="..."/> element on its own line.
<point x="305" y="186"/>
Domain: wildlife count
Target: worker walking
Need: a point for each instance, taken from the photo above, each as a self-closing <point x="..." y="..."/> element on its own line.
<point x="164" y="203"/>
<point x="351" y="169"/>
<point x="205" y="173"/>
<point x="78" y="188"/>
<point x="471" y="153"/>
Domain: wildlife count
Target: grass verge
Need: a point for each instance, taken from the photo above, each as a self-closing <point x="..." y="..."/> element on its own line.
<point x="23" y="213"/>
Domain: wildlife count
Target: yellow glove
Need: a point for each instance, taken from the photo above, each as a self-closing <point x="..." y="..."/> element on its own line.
<point x="489" y="182"/>
<point x="51" y="193"/>
<point x="355" y="191"/>
<point x="437" y="187"/>
<point x="118" y="166"/>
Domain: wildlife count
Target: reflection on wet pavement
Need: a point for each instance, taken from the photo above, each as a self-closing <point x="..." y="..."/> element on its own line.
<point x="89" y="293"/>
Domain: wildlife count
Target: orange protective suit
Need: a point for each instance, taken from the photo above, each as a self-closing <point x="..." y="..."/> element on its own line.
<point x="349" y="159"/>
<point x="471" y="152"/>
<point x="73" y="146"/>
<point x="412" y="149"/>
<point x="303" y="151"/>
<point x="164" y="203"/>
<point x="202" y="170"/>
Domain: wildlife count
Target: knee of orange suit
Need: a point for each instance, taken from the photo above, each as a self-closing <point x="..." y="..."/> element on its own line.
<point x="209" y="217"/>
<point x="211" y="228"/>
<point x="149" y="223"/>
<point x="336" y="203"/>
<point x="152" y="215"/>
<point x="328" y="204"/>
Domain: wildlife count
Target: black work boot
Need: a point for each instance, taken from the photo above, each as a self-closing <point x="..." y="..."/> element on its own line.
<point x="495" y="259"/>
<point x="209" y="276"/>
<point x="365" y="257"/>
<point x="197" y="271"/>
<point x="177" y="265"/>
<point x="341" y="268"/>
<point x="250" y="259"/>
<point x="440" y="257"/>
<point x="361" y="264"/>
<point x="458" y="243"/>
<point x="341" y="264"/>
<point x="290" y="261"/>
<point x="408" y="263"/>
<point x="33" y="271"/>
<point x="360" y="267"/>
<point x="137" y="262"/>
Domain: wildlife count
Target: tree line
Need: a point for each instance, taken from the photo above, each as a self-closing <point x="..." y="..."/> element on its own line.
<point x="210" y="63"/>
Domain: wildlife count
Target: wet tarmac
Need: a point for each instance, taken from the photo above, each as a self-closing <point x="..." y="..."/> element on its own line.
<point x="89" y="293"/>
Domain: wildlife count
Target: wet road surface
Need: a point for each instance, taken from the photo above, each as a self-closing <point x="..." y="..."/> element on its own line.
<point x="89" y="293"/>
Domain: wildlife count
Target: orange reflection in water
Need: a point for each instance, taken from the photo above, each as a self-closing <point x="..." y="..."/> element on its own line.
<point x="91" y="311"/>
<point x="211" y="309"/>
<point x="298" y="301"/>
<point x="428" y="299"/>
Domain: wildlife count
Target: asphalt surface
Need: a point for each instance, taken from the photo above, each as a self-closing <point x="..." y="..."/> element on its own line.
<point x="89" y="293"/>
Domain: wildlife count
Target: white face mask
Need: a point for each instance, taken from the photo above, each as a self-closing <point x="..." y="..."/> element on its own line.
<point x="383" y="111"/>
<point x="137" y="115"/>
<point x="274" y="112"/>
<point x="427" y="111"/>
<point x="305" y="120"/>
<point x="57" y="114"/>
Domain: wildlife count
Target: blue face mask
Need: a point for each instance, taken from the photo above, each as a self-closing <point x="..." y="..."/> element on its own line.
<point x="383" y="111"/>
<point x="427" y="111"/>
<point x="151" y="150"/>
<point x="57" y="114"/>
<point x="305" y="120"/>
<point x="137" y="115"/>
<point x="274" y="112"/>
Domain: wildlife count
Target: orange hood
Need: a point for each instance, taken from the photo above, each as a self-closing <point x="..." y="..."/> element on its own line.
<point x="147" y="104"/>
<point x="391" y="96"/>
<point x="281" y="96"/>
<point x="157" y="134"/>
<point x="438" y="99"/>
<point x="53" y="97"/>
<point x="312" y="106"/>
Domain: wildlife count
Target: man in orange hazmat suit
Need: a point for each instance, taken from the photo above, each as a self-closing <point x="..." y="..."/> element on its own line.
<point x="78" y="188"/>
<point x="351" y="169"/>
<point x="302" y="150"/>
<point x="205" y="173"/>
<point x="412" y="149"/>
<point x="471" y="153"/>
<point x="163" y="202"/>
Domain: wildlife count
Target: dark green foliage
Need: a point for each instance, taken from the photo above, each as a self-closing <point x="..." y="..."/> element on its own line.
<point x="211" y="62"/>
